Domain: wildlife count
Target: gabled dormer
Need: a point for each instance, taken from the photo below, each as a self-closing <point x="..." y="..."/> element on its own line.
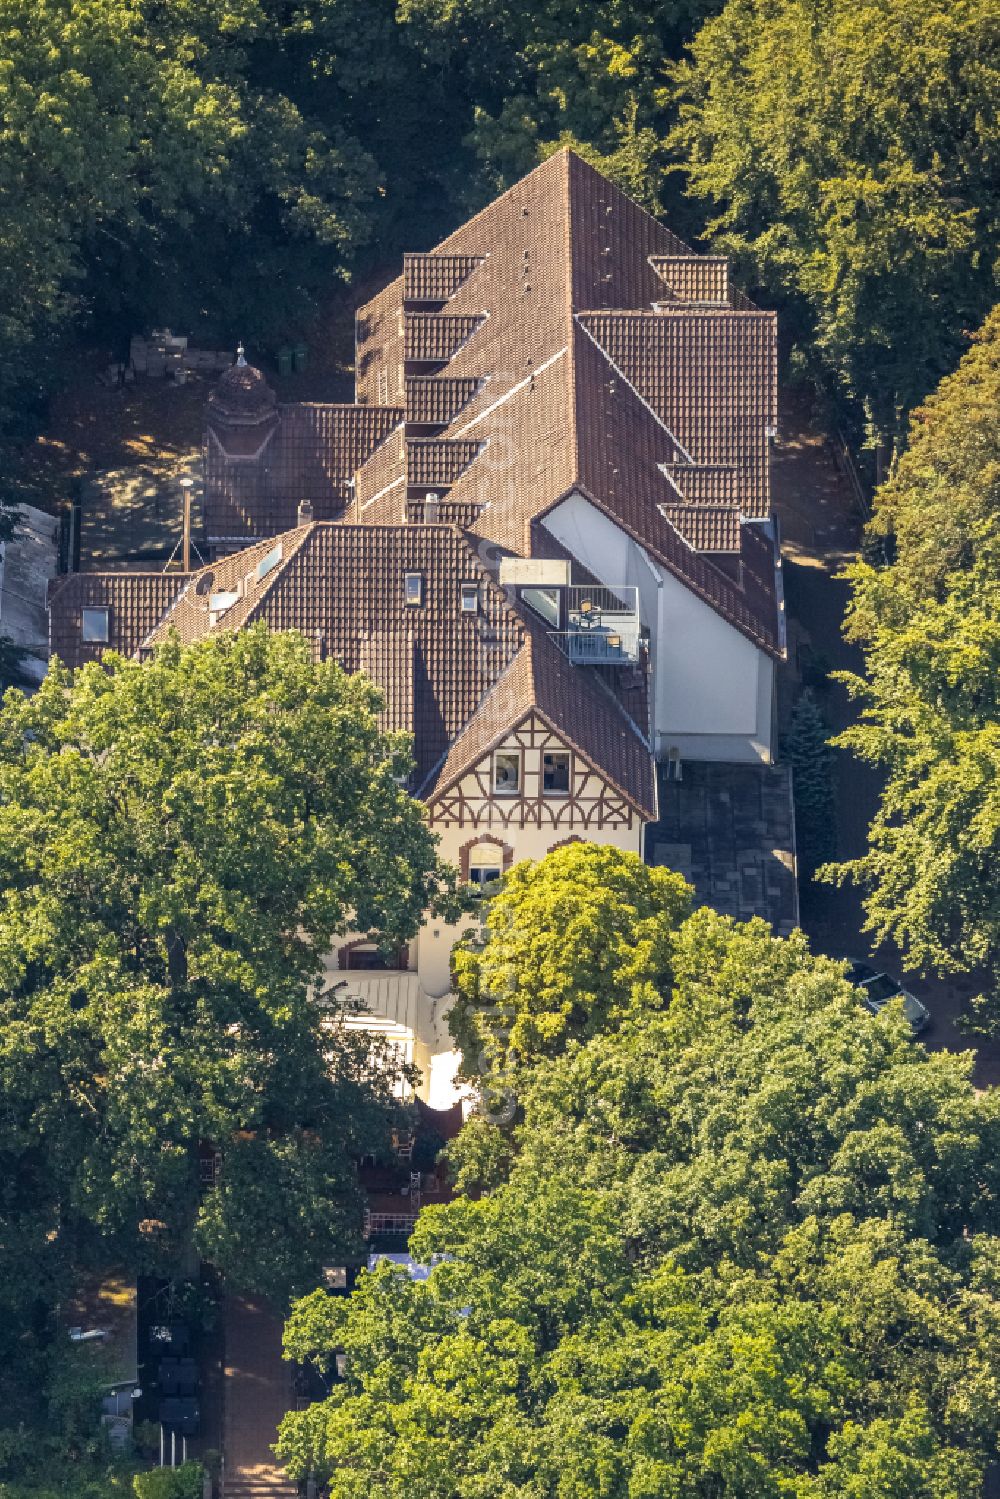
<point x="694" y="280"/>
<point x="434" y="279"/>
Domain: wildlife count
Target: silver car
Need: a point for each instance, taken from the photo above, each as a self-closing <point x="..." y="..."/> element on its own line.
<point x="878" y="989"/>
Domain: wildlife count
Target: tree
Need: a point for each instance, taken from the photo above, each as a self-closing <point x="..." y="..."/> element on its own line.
<point x="743" y="1244"/>
<point x="538" y="77"/>
<point x="808" y="749"/>
<point x="575" y="941"/>
<point x="151" y="172"/>
<point x="179" y="842"/>
<point x="929" y="625"/>
<point x="844" y="153"/>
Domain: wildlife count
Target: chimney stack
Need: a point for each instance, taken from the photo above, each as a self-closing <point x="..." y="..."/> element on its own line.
<point x="305" y="512"/>
<point x="432" y="509"/>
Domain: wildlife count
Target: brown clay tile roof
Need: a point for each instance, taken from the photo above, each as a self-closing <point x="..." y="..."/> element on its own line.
<point x="240" y="581"/>
<point x="575" y="705"/>
<point x="620" y="472"/>
<point x="343" y="586"/>
<point x="311" y="454"/>
<point x="432" y="461"/>
<point x="560" y="378"/>
<point x="389" y="658"/>
<point x="706" y="484"/>
<point x="382" y="478"/>
<point x="436" y="400"/>
<point x="437" y="336"/>
<point x="710" y="376"/>
<point x="435" y="278"/>
<point x="445" y="674"/>
<point x="567" y="251"/>
<point x="136" y="602"/>
<point x="694" y="278"/>
<point x="707" y="528"/>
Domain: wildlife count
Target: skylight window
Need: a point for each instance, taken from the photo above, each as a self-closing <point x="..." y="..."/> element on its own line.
<point x="95" y="624"/>
<point x="470" y="598"/>
<point x="414" y="589"/>
<point x="269" y="563"/>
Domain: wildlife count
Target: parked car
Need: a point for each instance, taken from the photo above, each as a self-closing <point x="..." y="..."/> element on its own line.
<point x="878" y="989"/>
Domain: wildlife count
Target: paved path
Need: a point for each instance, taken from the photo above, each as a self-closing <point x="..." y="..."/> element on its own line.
<point x="820" y="533"/>
<point x="257" y="1393"/>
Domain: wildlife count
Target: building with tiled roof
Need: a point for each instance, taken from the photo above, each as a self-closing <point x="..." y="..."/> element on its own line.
<point x="543" y="528"/>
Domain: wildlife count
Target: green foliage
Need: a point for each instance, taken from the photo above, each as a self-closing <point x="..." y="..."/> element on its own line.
<point x="183" y="1482"/>
<point x="845" y="153"/>
<point x="58" y="1449"/>
<point x="150" y="171"/>
<point x="576" y="941"/>
<point x="929" y="626"/>
<point x="179" y="842"/>
<point x="808" y="751"/>
<point x="541" y="76"/>
<point x="743" y="1244"/>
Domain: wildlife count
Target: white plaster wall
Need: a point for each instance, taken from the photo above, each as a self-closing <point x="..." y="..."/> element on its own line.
<point x="607" y="551"/>
<point x="712" y="688"/>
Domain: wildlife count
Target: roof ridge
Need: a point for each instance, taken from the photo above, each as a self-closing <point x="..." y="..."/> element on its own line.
<point x="574" y="426"/>
<point x="634" y="389"/>
<point x="575" y="157"/>
<point x="678" y="310"/>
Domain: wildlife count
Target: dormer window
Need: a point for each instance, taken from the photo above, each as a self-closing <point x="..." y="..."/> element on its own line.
<point x="414" y="589"/>
<point x="470" y="598"/>
<point x="95" y="624"/>
<point x="507" y="772"/>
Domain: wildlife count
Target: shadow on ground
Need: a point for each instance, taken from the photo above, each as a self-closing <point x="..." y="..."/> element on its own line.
<point x="821" y="529"/>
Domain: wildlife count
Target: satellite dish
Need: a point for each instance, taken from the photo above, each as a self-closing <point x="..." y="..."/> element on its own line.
<point x="204" y="584"/>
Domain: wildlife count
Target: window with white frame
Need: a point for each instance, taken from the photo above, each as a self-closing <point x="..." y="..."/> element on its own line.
<point x="555" y="772"/>
<point x="485" y="866"/>
<point x="414" y="589"/>
<point x="95" y="624"/>
<point x="507" y="772"/>
<point x="470" y="598"/>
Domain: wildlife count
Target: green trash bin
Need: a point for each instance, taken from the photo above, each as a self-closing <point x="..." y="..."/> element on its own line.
<point x="299" y="355"/>
<point x="284" y="360"/>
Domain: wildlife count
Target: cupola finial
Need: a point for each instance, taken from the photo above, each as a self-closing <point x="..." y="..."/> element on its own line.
<point x="241" y="362"/>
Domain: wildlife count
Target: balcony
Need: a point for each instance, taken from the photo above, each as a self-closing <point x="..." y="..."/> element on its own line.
<point x="602" y="626"/>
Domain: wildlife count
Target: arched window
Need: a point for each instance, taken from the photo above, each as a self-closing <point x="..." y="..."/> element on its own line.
<point x="368" y="955"/>
<point x="485" y="864"/>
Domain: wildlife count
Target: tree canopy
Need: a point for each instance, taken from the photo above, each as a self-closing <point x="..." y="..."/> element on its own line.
<point x="152" y="171"/>
<point x="844" y="153"/>
<point x="533" y="77"/>
<point x="576" y="941"/>
<point x="929" y="626"/>
<point x="180" y="839"/>
<point x="739" y="1244"/>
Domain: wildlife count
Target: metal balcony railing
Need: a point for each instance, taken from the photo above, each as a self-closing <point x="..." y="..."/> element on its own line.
<point x="602" y="626"/>
<point x="388" y="1223"/>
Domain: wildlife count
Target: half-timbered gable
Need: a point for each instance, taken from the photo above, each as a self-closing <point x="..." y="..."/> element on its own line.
<point x="534" y="778"/>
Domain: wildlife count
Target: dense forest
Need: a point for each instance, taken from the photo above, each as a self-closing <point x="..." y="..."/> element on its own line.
<point x="221" y="165"/>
